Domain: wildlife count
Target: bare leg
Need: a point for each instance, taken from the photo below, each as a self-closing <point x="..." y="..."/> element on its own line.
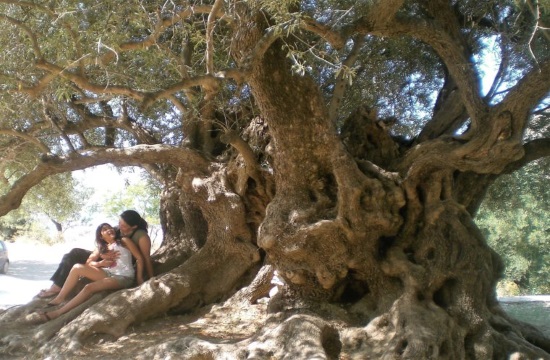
<point x="77" y="271"/>
<point x="85" y="294"/>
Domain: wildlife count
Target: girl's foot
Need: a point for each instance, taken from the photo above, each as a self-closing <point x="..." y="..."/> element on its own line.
<point x="40" y="317"/>
<point x="52" y="303"/>
<point x="46" y="293"/>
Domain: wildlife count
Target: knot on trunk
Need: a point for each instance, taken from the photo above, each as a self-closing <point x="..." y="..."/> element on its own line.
<point x="367" y="137"/>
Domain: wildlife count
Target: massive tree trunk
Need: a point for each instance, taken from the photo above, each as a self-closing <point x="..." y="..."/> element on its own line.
<point x="376" y="246"/>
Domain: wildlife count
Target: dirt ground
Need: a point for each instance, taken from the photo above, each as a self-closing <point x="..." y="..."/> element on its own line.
<point x="216" y="324"/>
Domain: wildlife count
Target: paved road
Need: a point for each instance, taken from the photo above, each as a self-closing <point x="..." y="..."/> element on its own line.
<point x="31" y="267"/>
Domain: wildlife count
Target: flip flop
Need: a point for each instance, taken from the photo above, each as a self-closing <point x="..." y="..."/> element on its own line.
<point x="45" y="293"/>
<point x="49" y="305"/>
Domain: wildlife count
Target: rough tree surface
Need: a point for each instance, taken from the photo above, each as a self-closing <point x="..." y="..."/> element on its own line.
<point x="320" y="163"/>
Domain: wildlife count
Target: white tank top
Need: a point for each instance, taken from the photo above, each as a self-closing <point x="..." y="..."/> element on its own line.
<point x="123" y="265"/>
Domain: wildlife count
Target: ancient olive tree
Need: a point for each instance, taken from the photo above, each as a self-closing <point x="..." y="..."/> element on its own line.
<point x="345" y="145"/>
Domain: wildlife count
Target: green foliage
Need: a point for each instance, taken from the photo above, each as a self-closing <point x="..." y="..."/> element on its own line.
<point x="13" y="224"/>
<point x="141" y="196"/>
<point x="515" y="219"/>
<point x="59" y="198"/>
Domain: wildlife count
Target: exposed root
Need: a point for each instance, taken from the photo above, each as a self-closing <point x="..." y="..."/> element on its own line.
<point x="298" y="337"/>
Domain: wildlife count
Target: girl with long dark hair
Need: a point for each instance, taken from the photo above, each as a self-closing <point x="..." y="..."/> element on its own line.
<point x="105" y="274"/>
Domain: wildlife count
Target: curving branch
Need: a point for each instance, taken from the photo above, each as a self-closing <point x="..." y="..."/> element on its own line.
<point x="208" y="82"/>
<point x="31" y="139"/>
<point x="188" y="160"/>
<point x="446" y="45"/>
<point x="257" y="53"/>
<point x="209" y="32"/>
<point x="341" y="81"/>
<point x="528" y="92"/>
<point x="35" y="90"/>
<point x="534" y="150"/>
<point x="334" y="38"/>
<point x="55" y="125"/>
<point x="158" y="30"/>
<point x="28" y="31"/>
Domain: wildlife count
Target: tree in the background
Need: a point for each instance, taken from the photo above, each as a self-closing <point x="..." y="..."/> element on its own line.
<point x="345" y="144"/>
<point x="59" y="200"/>
<point x="515" y="219"/>
<point x="12" y="224"/>
<point x="142" y="196"/>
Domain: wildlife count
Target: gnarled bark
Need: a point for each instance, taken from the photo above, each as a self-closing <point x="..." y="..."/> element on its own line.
<point x="373" y="241"/>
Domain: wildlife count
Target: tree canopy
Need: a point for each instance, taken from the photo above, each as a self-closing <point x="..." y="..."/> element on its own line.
<point x="345" y="146"/>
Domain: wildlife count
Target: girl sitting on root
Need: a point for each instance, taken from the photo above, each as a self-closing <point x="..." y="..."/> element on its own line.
<point x="105" y="274"/>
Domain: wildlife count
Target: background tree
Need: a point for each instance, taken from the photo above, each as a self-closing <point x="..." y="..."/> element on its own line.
<point x="513" y="216"/>
<point x="142" y="196"/>
<point x="346" y="145"/>
<point x="58" y="200"/>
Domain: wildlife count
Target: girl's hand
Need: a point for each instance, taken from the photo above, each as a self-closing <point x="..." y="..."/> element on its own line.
<point x="110" y="255"/>
<point x="106" y="263"/>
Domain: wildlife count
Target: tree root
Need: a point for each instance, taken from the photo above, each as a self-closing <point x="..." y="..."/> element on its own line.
<point x="298" y="337"/>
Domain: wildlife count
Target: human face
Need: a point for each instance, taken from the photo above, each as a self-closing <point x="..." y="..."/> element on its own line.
<point x="125" y="229"/>
<point x="108" y="233"/>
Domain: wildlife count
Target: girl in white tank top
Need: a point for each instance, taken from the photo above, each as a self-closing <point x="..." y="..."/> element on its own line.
<point x="105" y="274"/>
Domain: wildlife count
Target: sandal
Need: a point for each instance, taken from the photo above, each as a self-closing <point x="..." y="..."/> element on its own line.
<point x="49" y="305"/>
<point x="45" y="293"/>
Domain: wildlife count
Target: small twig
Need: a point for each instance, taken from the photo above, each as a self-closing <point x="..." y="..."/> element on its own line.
<point x="536" y="14"/>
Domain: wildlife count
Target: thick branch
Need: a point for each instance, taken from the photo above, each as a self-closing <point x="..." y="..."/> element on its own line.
<point x="382" y="12"/>
<point x="527" y="93"/>
<point x="448" y="110"/>
<point x="189" y="160"/>
<point x="447" y="47"/>
<point x="534" y="150"/>
<point x="334" y="38"/>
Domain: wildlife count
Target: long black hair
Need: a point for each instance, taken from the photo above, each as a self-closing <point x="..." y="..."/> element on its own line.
<point x="132" y="218"/>
<point x="100" y="242"/>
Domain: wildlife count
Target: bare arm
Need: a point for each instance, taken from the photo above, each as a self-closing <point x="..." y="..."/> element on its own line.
<point x="137" y="255"/>
<point x="144" y="243"/>
<point x="99" y="260"/>
<point x="93" y="259"/>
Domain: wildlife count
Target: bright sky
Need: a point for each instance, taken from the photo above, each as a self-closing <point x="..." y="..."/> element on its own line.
<point x="104" y="179"/>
